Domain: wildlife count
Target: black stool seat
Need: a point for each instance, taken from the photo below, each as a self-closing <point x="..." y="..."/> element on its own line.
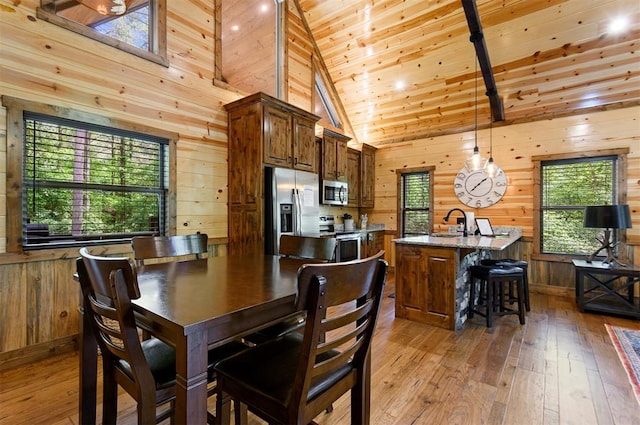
<point x="493" y="280"/>
<point x="515" y="263"/>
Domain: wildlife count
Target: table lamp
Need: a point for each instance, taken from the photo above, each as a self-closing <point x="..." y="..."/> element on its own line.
<point x="607" y="217"/>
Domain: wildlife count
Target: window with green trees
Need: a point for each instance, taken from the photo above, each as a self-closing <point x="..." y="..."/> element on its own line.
<point x="567" y="186"/>
<point x="84" y="182"/>
<point x="135" y="26"/>
<point x="415" y="202"/>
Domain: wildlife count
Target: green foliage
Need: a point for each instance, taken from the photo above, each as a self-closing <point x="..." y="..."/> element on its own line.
<point x="82" y="182"/>
<point x="567" y="187"/>
<point x="416" y="203"/>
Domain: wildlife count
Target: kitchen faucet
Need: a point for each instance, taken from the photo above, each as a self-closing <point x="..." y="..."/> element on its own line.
<point x="464" y="219"/>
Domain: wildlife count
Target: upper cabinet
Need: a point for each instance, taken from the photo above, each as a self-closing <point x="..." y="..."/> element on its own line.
<point x="353" y="177"/>
<point x="334" y="155"/>
<point x="262" y="130"/>
<point x="289" y="137"/>
<point x="287" y="132"/>
<point x="367" y="176"/>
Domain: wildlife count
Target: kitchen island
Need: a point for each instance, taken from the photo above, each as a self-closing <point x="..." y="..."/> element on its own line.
<point x="431" y="274"/>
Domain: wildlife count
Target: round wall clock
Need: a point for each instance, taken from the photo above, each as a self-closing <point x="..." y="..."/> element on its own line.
<point x="476" y="189"/>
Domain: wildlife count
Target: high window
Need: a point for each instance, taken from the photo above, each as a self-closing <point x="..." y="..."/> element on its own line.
<point x="415" y="209"/>
<point x="135" y="26"/>
<point x="567" y="185"/>
<point x="82" y="182"/>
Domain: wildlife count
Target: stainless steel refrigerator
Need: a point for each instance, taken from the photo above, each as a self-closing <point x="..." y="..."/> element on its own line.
<point x="292" y="205"/>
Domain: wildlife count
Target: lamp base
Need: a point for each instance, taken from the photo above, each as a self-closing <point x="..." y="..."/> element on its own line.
<point x="606" y="244"/>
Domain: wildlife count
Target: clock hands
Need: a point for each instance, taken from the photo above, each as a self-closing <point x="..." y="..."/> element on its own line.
<point x="479" y="183"/>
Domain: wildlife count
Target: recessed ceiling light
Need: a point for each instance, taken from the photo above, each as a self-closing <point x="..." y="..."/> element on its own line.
<point x="399" y="85"/>
<point x="619" y="25"/>
<point x="234" y="28"/>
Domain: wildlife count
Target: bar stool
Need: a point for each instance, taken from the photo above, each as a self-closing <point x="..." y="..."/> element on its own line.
<point x="513" y="263"/>
<point x="493" y="280"/>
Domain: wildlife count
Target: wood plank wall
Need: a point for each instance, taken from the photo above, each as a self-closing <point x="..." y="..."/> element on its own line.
<point x="513" y="147"/>
<point x="44" y="63"/>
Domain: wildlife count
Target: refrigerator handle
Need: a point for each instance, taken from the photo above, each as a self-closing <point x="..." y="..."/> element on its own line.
<point x="296" y="211"/>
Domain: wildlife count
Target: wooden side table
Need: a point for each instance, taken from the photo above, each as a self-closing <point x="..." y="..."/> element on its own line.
<point x="606" y="289"/>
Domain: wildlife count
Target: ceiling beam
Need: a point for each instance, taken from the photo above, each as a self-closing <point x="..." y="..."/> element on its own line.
<point x="477" y="38"/>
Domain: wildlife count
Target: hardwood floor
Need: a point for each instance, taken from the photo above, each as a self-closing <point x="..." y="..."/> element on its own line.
<point x="559" y="368"/>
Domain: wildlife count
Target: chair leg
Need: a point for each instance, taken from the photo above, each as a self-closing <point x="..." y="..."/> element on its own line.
<point x="472" y="298"/>
<point x="223" y="408"/>
<point x="525" y="286"/>
<point x="109" y="394"/>
<point x="240" y="415"/>
<point x="490" y="302"/>
<point x="521" y="300"/>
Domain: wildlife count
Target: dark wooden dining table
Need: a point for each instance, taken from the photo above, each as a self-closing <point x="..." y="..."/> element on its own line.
<point x="194" y="305"/>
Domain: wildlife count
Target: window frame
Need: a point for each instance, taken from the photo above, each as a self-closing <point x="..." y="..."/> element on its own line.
<point x="158" y="15"/>
<point x="15" y="155"/>
<point x="400" y="190"/>
<point x="620" y="189"/>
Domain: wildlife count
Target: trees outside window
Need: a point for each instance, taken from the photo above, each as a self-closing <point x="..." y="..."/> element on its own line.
<point x="566" y="186"/>
<point x="415" y="202"/>
<point x="136" y="26"/>
<point x="75" y="178"/>
<point x="84" y="183"/>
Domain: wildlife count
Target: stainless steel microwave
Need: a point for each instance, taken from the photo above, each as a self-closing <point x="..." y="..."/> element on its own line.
<point x="335" y="192"/>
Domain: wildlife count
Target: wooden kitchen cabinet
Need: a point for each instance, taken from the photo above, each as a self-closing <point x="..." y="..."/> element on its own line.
<point x="367" y="176"/>
<point x="334" y="155"/>
<point x="262" y="130"/>
<point x="425" y="284"/>
<point x="289" y="139"/>
<point x="353" y="177"/>
<point x="372" y="243"/>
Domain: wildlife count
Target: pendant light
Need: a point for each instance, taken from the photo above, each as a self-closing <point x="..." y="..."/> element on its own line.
<point x="475" y="163"/>
<point x="490" y="167"/>
<point x="107" y="7"/>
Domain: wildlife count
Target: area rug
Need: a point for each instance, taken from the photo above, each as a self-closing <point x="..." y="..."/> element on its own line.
<point x="627" y="344"/>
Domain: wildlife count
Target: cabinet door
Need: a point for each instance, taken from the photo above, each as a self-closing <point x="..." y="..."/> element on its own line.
<point x="304" y="145"/>
<point x="329" y="159"/>
<point x="341" y="160"/>
<point x="353" y="176"/>
<point x="244" y="157"/>
<point x="368" y="169"/>
<point x="425" y="285"/>
<point x="277" y="137"/>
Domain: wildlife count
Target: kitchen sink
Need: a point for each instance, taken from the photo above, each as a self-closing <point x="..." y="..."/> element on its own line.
<point x="445" y="235"/>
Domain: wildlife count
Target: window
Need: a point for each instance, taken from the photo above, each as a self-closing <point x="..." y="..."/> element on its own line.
<point x="83" y="179"/>
<point x="567" y="185"/>
<point x="135" y="26"/>
<point x="414" y="210"/>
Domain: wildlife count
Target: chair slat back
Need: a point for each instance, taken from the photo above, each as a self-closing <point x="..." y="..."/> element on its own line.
<point x="150" y="247"/>
<point x="342" y="302"/>
<point x="108" y="286"/>
<point x="320" y="249"/>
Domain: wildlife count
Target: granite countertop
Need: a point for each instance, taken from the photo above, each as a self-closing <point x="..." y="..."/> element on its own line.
<point x="505" y="237"/>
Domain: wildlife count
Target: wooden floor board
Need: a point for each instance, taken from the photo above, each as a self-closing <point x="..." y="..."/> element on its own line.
<point x="560" y="368"/>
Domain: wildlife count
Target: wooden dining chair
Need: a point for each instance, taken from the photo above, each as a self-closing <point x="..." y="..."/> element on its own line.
<point x="145" y="369"/>
<point x="310" y="249"/>
<point x="291" y="379"/>
<point x="175" y="247"/>
<point x="305" y="247"/>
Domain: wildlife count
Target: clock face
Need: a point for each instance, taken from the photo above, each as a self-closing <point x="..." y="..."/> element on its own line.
<point x="476" y="189"/>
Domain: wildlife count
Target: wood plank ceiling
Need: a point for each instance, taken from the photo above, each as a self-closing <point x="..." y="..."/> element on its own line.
<point x="405" y="69"/>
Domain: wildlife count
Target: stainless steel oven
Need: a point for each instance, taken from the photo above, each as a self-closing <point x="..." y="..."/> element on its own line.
<point x="348" y="247"/>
